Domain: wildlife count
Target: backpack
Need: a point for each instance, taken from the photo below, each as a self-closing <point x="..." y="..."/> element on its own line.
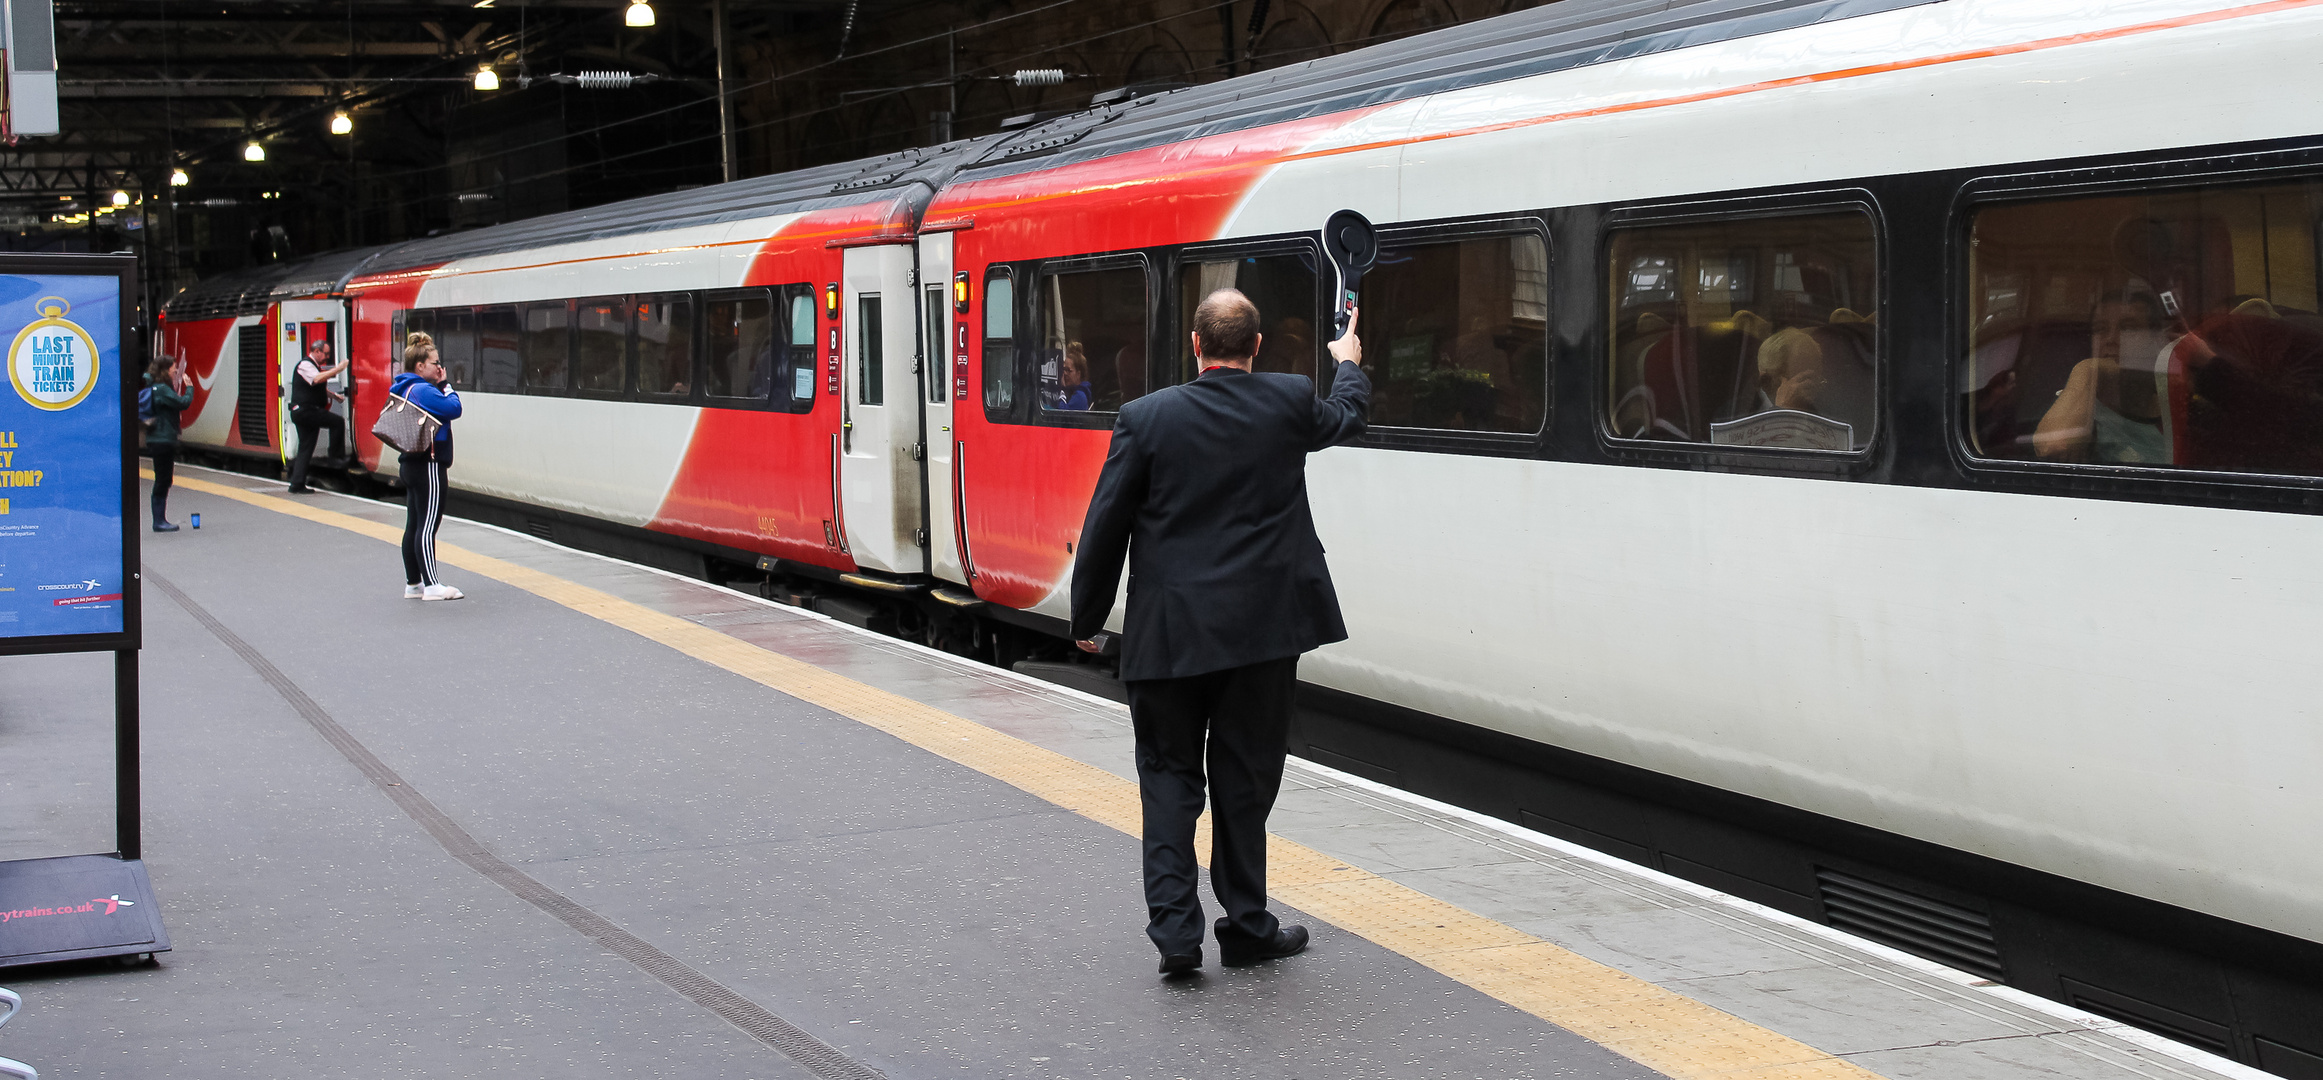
<point x="145" y="407"/>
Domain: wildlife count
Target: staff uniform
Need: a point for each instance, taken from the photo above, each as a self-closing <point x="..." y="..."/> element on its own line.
<point x="423" y="479"/>
<point x="310" y="414"/>
<point x="1205" y="491"/>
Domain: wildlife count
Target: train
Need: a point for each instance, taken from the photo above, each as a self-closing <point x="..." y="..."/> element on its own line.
<point x="1861" y="455"/>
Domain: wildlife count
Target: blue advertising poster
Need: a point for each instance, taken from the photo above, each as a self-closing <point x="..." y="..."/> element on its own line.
<point x="61" y="565"/>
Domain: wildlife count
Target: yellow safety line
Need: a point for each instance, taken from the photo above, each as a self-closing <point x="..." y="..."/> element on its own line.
<point x="1661" y="1029"/>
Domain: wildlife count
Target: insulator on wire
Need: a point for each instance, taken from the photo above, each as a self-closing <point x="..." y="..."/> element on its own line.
<point x="1040" y="77"/>
<point x="605" y="80"/>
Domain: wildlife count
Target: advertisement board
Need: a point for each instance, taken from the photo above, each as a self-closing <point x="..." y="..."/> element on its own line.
<point x="67" y="420"/>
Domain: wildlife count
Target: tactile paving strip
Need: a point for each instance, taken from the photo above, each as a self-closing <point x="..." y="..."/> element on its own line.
<point x="1656" y="1027"/>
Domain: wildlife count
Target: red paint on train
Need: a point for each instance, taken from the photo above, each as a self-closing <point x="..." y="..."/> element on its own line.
<point x="203" y="344"/>
<point x="377" y="355"/>
<point x="1027" y="487"/>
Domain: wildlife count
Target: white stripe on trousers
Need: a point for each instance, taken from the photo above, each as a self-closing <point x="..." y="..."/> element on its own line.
<point x="427" y="526"/>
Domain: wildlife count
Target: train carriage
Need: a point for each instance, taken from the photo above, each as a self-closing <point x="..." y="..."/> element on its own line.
<point x="1859" y="454"/>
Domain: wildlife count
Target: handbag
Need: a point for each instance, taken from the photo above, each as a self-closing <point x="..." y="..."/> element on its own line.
<point x="405" y="426"/>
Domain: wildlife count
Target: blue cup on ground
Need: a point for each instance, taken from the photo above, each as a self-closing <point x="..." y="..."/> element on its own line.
<point x="197" y="521"/>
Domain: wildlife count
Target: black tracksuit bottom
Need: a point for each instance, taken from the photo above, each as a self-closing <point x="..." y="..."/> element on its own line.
<point x="164" y="472"/>
<point x="1237" y="721"/>
<point x="423" y="511"/>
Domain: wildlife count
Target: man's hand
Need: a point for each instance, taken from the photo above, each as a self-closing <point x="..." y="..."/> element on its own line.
<point x="1348" y="349"/>
<point x="1090" y="646"/>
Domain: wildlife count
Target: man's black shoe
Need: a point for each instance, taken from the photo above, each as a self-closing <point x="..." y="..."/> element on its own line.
<point x="163" y="526"/>
<point x="1288" y="941"/>
<point x="1178" y="963"/>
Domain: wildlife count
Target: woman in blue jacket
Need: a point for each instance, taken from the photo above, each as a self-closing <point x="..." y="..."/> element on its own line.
<point x="424" y="384"/>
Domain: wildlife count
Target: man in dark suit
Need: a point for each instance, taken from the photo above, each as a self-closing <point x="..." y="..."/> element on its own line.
<point x="1205" y="490"/>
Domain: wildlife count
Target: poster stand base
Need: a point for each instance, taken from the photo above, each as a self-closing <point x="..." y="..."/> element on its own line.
<point x="77" y="907"/>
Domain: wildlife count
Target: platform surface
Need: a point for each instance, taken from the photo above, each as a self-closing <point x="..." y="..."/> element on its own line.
<point x="599" y="820"/>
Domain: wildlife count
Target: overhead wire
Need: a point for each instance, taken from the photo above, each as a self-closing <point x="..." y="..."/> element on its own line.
<point x="665" y="147"/>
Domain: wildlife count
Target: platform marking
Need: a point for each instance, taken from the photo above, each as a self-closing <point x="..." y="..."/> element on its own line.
<point x="817" y="1056"/>
<point x="1659" y="1028"/>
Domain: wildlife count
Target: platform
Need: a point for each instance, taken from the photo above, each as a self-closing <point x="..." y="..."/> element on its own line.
<point x="599" y="819"/>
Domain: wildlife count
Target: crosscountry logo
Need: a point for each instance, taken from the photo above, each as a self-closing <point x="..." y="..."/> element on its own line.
<point x="53" y="362"/>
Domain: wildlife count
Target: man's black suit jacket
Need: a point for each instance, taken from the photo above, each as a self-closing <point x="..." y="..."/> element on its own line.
<point x="1205" y="489"/>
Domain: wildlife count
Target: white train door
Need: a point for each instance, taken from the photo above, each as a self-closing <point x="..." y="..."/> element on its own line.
<point x="941" y="361"/>
<point x="879" y="482"/>
<point x="301" y="324"/>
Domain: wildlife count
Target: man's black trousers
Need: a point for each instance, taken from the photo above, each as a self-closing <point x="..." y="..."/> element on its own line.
<point x="310" y="424"/>
<point x="1243" y="715"/>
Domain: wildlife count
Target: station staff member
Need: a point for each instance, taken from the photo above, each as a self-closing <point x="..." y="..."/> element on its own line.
<point x="1205" y="491"/>
<point x="311" y="398"/>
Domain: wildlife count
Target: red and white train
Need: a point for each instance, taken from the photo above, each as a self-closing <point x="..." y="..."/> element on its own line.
<point x="1860" y="454"/>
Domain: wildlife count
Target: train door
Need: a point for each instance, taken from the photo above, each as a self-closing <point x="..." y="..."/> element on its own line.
<point x="943" y="377"/>
<point x="309" y="328"/>
<point x="879" y="487"/>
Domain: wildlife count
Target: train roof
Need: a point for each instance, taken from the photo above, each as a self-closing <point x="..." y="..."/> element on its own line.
<point x="844" y="184"/>
<point x="1555" y="37"/>
<point x="247" y="291"/>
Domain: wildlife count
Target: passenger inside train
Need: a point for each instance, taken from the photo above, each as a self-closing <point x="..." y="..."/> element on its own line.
<point x="1100" y="311"/>
<point x="2175" y="329"/>
<point x="1751" y="332"/>
<point x="2111" y="407"/>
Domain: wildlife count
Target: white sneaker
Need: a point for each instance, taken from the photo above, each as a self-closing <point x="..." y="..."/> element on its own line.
<point x="411" y="592"/>
<point x="441" y="592"/>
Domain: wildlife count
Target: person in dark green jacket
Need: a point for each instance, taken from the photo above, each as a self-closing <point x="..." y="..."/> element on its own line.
<point x="165" y="381"/>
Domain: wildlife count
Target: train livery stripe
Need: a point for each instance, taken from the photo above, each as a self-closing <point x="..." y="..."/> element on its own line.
<point x="1658" y="1028"/>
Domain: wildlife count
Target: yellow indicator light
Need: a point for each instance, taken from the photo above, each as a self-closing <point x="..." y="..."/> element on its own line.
<point x="831" y="300"/>
<point x="960" y="292"/>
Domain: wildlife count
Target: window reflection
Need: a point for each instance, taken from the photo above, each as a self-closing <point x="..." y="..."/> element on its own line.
<point x="600" y="344"/>
<point x="665" y="345"/>
<point x="1756" y="332"/>
<point x="2175" y="329"/>
<point x="1093" y="332"/>
<point x="547" y="345"/>
<point x="1455" y="334"/>
<point x="738" y="345"/>
<point x="1283" y="289"/>
<point x="499" y="337"/>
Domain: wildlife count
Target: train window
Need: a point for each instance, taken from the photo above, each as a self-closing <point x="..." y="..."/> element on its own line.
<point x="1747" y="332"/>
<point x="1458" y="334"/>
<point x="1283" y="288"/>
<point x="1093" y="331"/>
<point x="999" y="344"/>
<point x="665" y="345"/>
<point x="548" y="345"/>
<point x="2171" y="329"/>
<point x="738" y="345"/>
<point x="933" y="349"/>
<point x="601" y="344"/>
<point x="408" y="323"/>
<point x="795" y="383"/>
<point x="870" y="353"/>
<point x="499" y="338"/>
<point x="455" y="333"/>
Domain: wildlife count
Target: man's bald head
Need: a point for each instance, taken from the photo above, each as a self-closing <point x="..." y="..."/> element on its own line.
<point x="1226" y="326"/>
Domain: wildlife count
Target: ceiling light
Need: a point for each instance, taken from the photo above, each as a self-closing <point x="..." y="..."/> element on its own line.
<point x="640" y="13"/>
<point x="341" y="124"/>
<point x="487" y="79"/>
<point x="253" y="151"/>
<point x="178" y="178"/>
<point x="120" y="198"/>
